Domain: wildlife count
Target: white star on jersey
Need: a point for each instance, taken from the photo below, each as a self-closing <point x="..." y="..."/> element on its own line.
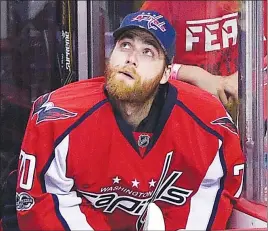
<point x="116" y="180"/>
<point x="152" y="183"/>
<point x="135" y="183"/>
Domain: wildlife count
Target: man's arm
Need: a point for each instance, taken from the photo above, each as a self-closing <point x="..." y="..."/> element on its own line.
<point x="45" y="195"/>
<point x="212" y="205"/>
<point x="232" y="181"/>
<point x="223" y="87"/>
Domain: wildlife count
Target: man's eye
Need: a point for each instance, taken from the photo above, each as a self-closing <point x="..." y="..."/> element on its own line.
<point x="148" y="52"/>
<point x="125" y="45"/>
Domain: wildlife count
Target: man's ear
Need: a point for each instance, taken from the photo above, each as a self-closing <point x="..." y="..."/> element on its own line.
<point x="166" y="74"/>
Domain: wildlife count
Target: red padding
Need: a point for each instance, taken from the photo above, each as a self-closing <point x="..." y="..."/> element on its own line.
<point x="252" y="209"/>
<point x="251" y="229"/>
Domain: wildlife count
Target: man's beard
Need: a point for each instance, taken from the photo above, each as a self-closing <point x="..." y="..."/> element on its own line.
<point x="138" y="92"/>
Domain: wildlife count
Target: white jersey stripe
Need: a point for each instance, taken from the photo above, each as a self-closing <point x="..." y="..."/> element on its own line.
<point x="56" y="181"/>
<point x="70" y="211"/>
<point x="58" y="184"/>
<point x="203" y="201"/>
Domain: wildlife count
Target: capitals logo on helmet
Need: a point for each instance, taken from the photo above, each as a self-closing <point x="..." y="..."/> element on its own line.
<point x="153" y="21"/>
<point x="45" y="110"/>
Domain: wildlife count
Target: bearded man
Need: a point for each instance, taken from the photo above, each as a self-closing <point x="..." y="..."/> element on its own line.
<point x="97" y="153"/>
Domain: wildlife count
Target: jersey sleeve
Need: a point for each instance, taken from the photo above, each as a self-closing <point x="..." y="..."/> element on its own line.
<point x="212" y="205"/>
<point x="232" y="181"/>
<point x="220" y="167"/>
<point x="45" y="195"/>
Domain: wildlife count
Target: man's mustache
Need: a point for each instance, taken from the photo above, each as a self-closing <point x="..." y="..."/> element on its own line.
<point x="130" y="71"/>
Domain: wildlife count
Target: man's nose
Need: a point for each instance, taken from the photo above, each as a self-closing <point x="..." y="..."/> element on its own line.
<point x="132" y="59"/>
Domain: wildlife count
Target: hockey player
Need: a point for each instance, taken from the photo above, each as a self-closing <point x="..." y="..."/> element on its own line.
<point x="97" y="152"/>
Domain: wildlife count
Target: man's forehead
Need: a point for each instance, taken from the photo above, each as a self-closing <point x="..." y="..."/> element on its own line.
<point x="137" y="32"/>
<point x="141" y="35"/>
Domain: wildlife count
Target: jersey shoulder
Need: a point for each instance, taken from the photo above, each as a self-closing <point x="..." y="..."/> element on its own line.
<point x="70" y="101"/>
<point x="195" y="96"/>
<point x="201" y="104"/>
<point x="55" y="115"/>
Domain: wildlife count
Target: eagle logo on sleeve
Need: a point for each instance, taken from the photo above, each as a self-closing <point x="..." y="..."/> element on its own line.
<point x="227" y="123"/>
<point x="46" y="110"/>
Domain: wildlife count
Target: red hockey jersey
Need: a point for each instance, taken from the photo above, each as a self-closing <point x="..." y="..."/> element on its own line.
<point x="207" y="32"/>
<point x="81" y="169"/>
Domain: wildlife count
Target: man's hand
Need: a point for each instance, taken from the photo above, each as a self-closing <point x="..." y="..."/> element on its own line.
<point x="227" y="89"/>
<point x="224" y="87"/>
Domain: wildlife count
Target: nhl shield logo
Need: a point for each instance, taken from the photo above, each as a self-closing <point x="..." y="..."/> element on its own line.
<point x="143" y="140"/>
